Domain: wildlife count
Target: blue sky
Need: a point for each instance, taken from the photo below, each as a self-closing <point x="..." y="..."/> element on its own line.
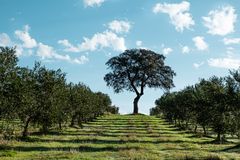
<point x="199" y="39"/>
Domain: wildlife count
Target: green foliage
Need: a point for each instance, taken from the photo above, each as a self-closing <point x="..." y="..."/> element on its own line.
<point x="210" y="103"/>
<point x="135" y="69"/>
<point x="113" y="109"/>
<point x="42" y="98"/>
<point x="7" y="130"/>
<point x="8" y="82"/>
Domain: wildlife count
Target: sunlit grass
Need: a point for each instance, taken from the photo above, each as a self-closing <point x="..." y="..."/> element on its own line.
<point x="119" y="137"/>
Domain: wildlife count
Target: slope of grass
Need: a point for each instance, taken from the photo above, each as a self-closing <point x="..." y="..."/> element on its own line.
<point x="118" y="137"/>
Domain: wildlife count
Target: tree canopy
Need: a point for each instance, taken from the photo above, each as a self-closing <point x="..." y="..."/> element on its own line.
<point x="41" y="97"/>
<point x="135" y="69"/>
<point x="212" y="103"/>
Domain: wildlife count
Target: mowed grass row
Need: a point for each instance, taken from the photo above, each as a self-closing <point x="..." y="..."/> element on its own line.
<point x="118" y="137"/>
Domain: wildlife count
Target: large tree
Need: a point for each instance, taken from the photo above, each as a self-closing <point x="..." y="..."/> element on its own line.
<point x="135" y="69"/>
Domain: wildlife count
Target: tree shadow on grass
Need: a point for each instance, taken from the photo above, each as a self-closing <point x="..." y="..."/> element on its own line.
<point x="106" y="141"/>
<point x="55" y="133"/>
<point x="112" y="135"/>
<point x="88" y="140"/>
<point x="79" y="149"/>
<point x="196" y="135"/>
<point x="113" y="121"/>
<point x="108" y="132"/>
<point x="235" y="148"/>
<point x="125" y="126"/>
<point x="123" y="130"/>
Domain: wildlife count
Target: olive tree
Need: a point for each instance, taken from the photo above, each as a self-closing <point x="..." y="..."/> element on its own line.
<point x="135" y="69"/>
<point x="28" y="101"/>
<point x="8" y="82"/>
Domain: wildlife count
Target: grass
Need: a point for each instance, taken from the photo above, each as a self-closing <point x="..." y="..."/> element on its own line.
<point x="121" y="137"/>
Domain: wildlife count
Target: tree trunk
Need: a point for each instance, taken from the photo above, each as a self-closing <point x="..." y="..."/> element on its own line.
<point x="80" y="121"/>
<point x="25" y="129"/>
<point x="175" y="121"/>
<point x="73" y="120"/>
<point x="179" y="123"/>
<point x="45" y="128"/>
<point x="218" y="137"/>
<point x="221" y="139"/>
<point x="186" y="124"/>
<point x="195" y="129"/>
<point x="135" y="104"/>
<point x="204" y="130"/>
<point x="60" y="125"/>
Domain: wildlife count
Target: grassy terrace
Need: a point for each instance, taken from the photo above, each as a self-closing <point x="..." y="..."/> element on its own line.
<point x="119" y="137"/>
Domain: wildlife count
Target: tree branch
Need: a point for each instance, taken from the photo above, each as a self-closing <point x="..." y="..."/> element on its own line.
<point x="132" y="83"/>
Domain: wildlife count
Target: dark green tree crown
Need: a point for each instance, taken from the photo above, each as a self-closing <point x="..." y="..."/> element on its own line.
<point x="139" y="68"/>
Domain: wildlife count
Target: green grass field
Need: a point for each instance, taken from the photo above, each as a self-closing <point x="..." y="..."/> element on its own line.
<point x="119" y="137"/>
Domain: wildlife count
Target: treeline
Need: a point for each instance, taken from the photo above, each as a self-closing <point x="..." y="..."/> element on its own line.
<point x="42" y="98"/>
<point x="212" y="103"/>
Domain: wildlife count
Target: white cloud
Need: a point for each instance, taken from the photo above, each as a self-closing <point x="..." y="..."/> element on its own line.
<point x="166" y="51"/>
<point x="119" y="26"/>
<point x="68" y="45"/>
<point x="138" y="43"/>
<point x="24" y="36"/>
<point x="106" y="39"/>
<point x="45" y="51"/>
<point x="197" y="65"/>
<point x="221" y="21"/>
<point x="48" y="52"/>
<point x="230" y="51"/>
<point x="102" y="40"/>
<point x="228" y="63"/>
<point x="92" y="3"/>
<point x="185" y="49"/>
<point x="228" y="41"/>
<point x="19" y="50"/>
<point x="200" y="43"/>
<point x="4" y="40"/>
<point x="178" y="13"/>
<point x="62" y="57"/>
<point x="81" y="60"/>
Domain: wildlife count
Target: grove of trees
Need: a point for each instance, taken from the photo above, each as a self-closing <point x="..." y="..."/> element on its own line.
<point x="136" y="69"/>
<point x="212" y="103"/>
<point x="41" y="97"/>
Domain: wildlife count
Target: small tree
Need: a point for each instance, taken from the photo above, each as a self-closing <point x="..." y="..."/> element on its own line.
<point x="135" y="69"/>
<point x="8" y="82"/>
<point x="28" y="102"/>
<point x="9" y="90"/>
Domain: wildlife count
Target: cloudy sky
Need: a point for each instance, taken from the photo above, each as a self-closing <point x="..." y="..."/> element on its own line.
<point x="198" y="39"/>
